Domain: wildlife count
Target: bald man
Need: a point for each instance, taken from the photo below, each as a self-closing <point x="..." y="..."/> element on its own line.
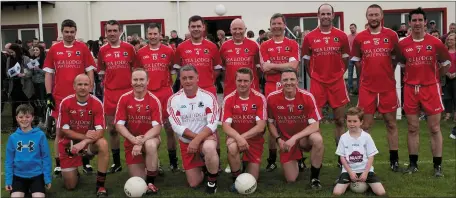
<point x="82" y="123"/>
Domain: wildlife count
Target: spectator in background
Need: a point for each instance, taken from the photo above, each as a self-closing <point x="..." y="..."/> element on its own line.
<point x="452" y="29"/>
<point x="351" y="64"/>
<point x="409" y="31"/>
<point x="366" y="26"/>
<point x="261" y="35"/>
<point x="251" y="35"/>
<point x="42" y="44"/>
<point x="175" y="38"/>
<point x="135" y="37"/>
<point x="136" y="44"/>
<point x="432" y="26"/>
<point x="449" y="89"/>
<point x="103" y="40"/>
<point x="35" y="41"/>
<point x="4" y="76"/>
<point x="39" y="104"/>
<point x="435" y="33"/>
<point x="187" y="36"/>
<point x="220" y="38"/>
<point x="59" y="39"/>
<point x="402" y="32"/>
<point x="20" y="86"/>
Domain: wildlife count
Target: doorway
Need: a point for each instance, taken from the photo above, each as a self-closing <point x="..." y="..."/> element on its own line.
<point x="213" y="24"/>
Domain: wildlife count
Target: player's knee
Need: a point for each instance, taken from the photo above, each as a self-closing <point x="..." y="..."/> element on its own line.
<point x="435" y="129"/>
<point x="102" y="145"/>
<point x="291" y="179"/>
<point x="233" y="149"/>
<point x="71" y="186"/>
<point x="193" y="183"/>
<point x="337" y="192"/>
<point x="391" y="126"/>
<point x="413" y="129"/>
<point x="151" y="144"/>
<point x="209" y="149"/>
<point x="317" y="140"/>
<point x="380" y="192"/>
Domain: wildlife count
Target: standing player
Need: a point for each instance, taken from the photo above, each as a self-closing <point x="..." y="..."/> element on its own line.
<point x="244" y="120"/>
<point x="202" y="54"/>
<point x="277" y="54"/>
<point x="139" y="120"/>
<point x="82" y="123"/>
<point x="193" y="115"/>
<point x="294" y="121"/>
<point x="115" y="61"/>
<point x="64" y="61"/>
<point x="326" y="52"/>
<point x="376" y="47"/>
<point x="239" y="52"/>
<point x="423" y="56"/>
<point x="156" y="59"/>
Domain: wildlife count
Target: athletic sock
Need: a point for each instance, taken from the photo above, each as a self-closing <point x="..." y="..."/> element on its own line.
<point x="394" y="156"/>
<point x="437" y="161"/>
<point x="57" y="162"/>
<point x="235" y="174"/>
<point x="272" y="156"/>
<point x="85" y="161"/>
<point x="150" y="179"/>
<point x="101" y="178"/>
<point x="212" y="177"/>
<point x="172" y="157"/>
<point x="116" y="156"/>
<point x="314" y="172"/>
<point x="413" y="160"/>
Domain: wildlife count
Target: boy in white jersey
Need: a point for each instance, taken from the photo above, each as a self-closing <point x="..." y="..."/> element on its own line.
<point x="356" y="150"/>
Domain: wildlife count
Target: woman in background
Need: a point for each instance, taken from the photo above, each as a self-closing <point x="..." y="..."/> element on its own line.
<point x="39" y="104"/>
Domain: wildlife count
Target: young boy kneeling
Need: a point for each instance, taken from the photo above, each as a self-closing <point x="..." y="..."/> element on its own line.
<point x="356" y="150"/>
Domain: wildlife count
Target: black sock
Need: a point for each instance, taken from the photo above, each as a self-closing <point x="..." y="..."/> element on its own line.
<point x="314" y="172"/>
<point x="413" y="159"/>
<point x="85" y="161"/>
<point x="172" y="157"/>
<point x="150" y="179"/>
<point x="101" y="178"/>
<point x="437" y="161"/>
<point x="338" y="160"/>
<point x="272" y="156"/>
<point x="57" y="162"/>
<point x="244" y="165"/>
<point x="235" y="174"/>
<point x="394" y="156"/>
<point x="116" y="156"/>
<point x="212" y="177"/>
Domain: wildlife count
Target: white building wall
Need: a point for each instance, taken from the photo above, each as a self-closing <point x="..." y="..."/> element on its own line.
<point x="255" y="14"/>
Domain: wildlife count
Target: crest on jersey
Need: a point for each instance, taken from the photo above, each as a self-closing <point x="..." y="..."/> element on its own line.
<point x="81" y="113"/>
<point x="147" y="107"/>
<point x="200" y="104"/>
<point x="125" y="53"/>
<point x="254" y="106"/>
<point x="163" y="55"/>
<point x="336" y="39"/>
<point x="246" y="50"/>
<point x="385" y="40"/>
<point x="78" y="53"/>
<point x="429" y="47"/>
<point x="90" y="112"/>
<point x="206" y="51"/>
<point x="244" y="107"/>
<point x="287" y="48"/>
<point x="290" y="107"/>
<point x="376" y="41"/>
<point x="300" y="107"/>
<point x="326" y="39"/>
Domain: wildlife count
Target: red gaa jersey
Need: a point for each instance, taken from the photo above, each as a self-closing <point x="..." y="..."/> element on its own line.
<point x="422" y="58"/>
<point x="376" y="51"/>
<point x="244" y="113"/>
<point x="278" y="53"/>
<point x="116" y="63"/>
<point x="81" y="117"/>
<point x="157" y="62"/>
<point x="204" y="56"/>
<point x="326" y="52"/>
<point x="238" y="55"/>
<point x="66" y="62"/>
<point x="292" y="116"/>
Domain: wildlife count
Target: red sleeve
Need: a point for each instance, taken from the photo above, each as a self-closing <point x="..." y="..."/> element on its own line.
<point x="305" y="48"/>
<point x="222" y="56"/>
<point x="399" y="54"/>
<point x="261" y="108"/>
<point x="226" y="110"/>
<point x="156" y="111"/>
<point x="49" y="61"/>
<point x="121" y="110"/>
<point x="100" y="65"/>
<point x="99" y="114"/>
<point x="395" y="41"/>
<point x="89" y="61"/>
<point x="264" y="56"/>
<point x="63" y="115"/>
<point x="177" y="57"/>
<point x="217" y="61"/>
<point x="295" y="51"/>
<point x="257" y="54"/>
<point x="311" y="110"/>
<point x="270" y="109"/>
<point x="345" y="46"/>
<point x="356" y="49"/>
<point x="443" y="56"/>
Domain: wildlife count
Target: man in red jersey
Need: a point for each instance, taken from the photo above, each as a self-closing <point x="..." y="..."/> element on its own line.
<point x="82" y="124"/>
<point x="294" y="122"/>
<point x="138" y="120"/>
<point x="156" y="59"/>
<point x="115" y="61"/>
<point x="239" y="52"/>
<point x="276" y="55"/>
<point x="425" y="58"/>
<point x="326" y="53"/>
<point x="202" y="54"/>
<point x="244" y="120"/>
<point x="64" y="61"/>
<point x="374" y="50"/>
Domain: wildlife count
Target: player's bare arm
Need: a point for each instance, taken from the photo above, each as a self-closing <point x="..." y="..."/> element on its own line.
<point x="370" y="161"/>
<point x="125" y="133"/>
<point x="48" y="81"/>
<point x="75" y="135"/>
<point x="312" y="128"/>
<point x="275" y="134"/>
<point x="350" y="172"/>
<point x="272" y="68"/>
<point x="358" y="67"/>
<point x="91" y="78"/>
<point x="256" y="130"/>
<point x="154" y="132"/>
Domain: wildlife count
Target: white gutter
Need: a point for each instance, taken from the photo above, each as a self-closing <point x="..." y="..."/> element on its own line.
<point x="40" y="21"/>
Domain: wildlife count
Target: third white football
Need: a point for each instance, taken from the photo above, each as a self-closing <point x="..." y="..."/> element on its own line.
<point x="245" y="184"/>
<point x="135" y="187"/>
<point x="359" y="187"/>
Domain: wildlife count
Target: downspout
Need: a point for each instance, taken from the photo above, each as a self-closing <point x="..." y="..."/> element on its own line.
<point x="89" y="19"/>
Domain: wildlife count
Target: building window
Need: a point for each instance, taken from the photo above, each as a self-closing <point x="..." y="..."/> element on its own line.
<point x="394" y="18"/>
<point x="139" y="27"/>
<point x="309" y="21"/>
<point x="10" y="33"/>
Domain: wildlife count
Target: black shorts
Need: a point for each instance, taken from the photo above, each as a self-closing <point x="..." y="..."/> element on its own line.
<point x="32" y="185"/>
<point x="344" y="178"/>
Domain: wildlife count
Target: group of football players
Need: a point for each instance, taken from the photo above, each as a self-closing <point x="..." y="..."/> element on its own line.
<point x="138" y="98"/>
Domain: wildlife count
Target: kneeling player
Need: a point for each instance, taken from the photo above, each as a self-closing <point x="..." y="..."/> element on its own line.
<point x="294" y="123"/>
<point x="244" y="118"/>
<point x="81" y="119"/>
<point x="356" y="149"/>
<point x="138" y="120"/>
<point x="193" y="114"/>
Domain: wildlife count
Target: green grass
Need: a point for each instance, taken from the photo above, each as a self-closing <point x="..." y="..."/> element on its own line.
<point x="421" y="184"/>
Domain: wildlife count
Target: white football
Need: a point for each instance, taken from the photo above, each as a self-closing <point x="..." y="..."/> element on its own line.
<point x="359" y="187"/>
<point x="135" y="187"/>
<point x="245" y="184"/>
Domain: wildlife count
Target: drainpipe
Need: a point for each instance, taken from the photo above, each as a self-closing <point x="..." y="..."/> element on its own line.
<point x="40" y="21"/>
<point x="178" y="18"/>
<point x="89" y="19"/>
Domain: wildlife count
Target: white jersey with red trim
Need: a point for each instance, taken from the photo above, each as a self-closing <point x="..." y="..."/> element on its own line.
<point x="193" y="113"/>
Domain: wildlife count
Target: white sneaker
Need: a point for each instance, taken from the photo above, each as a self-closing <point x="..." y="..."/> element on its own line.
<point x="453" y="136"/>
<point x="228" y="169"/>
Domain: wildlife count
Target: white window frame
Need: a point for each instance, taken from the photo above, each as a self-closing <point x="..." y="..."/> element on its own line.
<point x="19" y="32"/>
<point x="404" y="19"/>
<point x="142" y="29"/>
